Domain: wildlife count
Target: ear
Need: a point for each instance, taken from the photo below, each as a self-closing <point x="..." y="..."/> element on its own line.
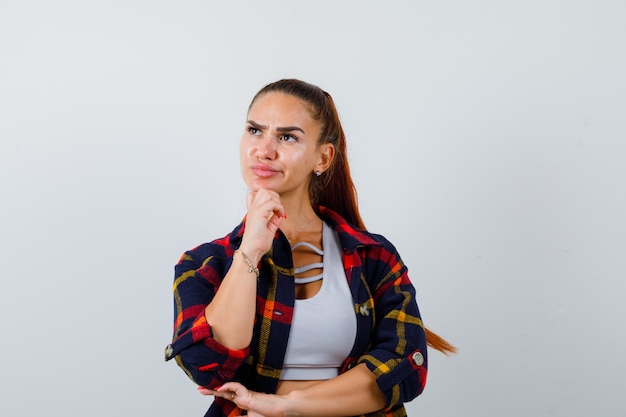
<point x="325" y="158"/>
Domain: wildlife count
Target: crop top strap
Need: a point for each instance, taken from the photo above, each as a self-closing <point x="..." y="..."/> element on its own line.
<point x="306" y="280"/>
<point x="308" y="267"/>
<point x="310" y="246"/>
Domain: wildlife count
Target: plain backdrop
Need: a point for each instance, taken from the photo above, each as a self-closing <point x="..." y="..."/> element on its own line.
<point x="487" y="140"/>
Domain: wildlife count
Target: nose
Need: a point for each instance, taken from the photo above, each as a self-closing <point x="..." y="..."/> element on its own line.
<point x="266" y="148"/>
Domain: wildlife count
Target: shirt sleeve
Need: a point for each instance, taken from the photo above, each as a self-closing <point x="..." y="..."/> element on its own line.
<point x="204" y="360"/>
<point x="398" y="354"/>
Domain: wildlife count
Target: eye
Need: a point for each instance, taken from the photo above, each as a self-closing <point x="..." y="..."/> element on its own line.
<point x="287" y="137"/>
<point x="253" y="131"/>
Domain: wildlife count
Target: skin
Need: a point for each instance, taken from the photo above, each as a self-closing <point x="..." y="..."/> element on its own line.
<point x="279" y="151"/>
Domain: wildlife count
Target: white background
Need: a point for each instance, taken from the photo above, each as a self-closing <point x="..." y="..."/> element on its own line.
<point x="487" y="140"/>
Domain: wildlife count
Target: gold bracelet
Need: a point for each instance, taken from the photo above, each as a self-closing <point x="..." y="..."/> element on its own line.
<point x="249" y="263"/>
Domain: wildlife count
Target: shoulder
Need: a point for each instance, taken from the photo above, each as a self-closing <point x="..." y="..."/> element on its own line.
<point x="218" y="249"/>
<point x="353" y="237"/>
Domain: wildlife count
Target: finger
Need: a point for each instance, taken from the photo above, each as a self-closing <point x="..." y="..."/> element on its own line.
<point x="229" y="386"/>
<point x="274" y="223"/>
<point x="276" y="215"/>
<point x="206" y="391"/>
<point x="268" y="209"/>
<point x="263" y="196"/>
<point x="230" y="389"/>
<point x="227" y="395"/>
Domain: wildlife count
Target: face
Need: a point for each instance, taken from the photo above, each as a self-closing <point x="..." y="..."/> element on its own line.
<point x="279" y="148"/>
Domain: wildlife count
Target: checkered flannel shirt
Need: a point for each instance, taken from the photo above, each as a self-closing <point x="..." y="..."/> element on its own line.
<point x="390" y="336"/>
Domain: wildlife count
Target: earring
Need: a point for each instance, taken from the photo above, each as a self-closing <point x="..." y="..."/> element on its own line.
<point x="317" y="173"/>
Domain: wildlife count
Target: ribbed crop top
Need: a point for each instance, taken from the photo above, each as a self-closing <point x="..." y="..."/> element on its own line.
<point x="323" y="328"/>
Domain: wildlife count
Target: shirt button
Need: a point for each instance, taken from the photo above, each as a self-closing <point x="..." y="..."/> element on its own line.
<point x="364" y="310"/>
<point x="169" y="351"/>
<point x="418" y="359"/>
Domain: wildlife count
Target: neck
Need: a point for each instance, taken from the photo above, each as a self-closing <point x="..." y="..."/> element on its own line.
<point x="301" y="218"/>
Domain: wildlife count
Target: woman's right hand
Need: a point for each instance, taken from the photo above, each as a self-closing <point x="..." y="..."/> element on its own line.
<point x="265" y="212"/>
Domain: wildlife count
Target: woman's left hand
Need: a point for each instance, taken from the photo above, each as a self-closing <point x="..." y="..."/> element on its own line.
<point x="257" y="404"/>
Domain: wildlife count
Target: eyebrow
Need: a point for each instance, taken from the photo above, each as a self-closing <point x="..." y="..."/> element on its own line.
<point x="279" y="129"/>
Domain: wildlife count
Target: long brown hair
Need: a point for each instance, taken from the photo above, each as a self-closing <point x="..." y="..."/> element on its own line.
<point x="334" y="189"/>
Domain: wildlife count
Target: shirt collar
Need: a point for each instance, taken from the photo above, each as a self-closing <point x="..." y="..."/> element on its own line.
<point x="350" y="236"/>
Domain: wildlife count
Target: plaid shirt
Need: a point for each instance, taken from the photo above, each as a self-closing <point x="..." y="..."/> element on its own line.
<point x="390" y="336"/>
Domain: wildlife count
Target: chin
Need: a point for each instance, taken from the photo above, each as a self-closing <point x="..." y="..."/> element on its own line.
<point x="256" y="185"/>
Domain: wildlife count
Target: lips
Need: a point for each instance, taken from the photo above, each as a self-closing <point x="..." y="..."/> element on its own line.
<point x="263" y="171"/>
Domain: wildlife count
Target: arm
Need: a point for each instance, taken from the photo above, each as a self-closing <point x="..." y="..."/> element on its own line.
<point x="398" y="352"/>
<point x="352" y="393"/>
<point x="203" y="358"/>
<point x="231" y="312"/>
<point x="215" y="298"/>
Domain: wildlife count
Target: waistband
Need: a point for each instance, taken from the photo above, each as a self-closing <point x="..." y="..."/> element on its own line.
<point x="309" y="373"/>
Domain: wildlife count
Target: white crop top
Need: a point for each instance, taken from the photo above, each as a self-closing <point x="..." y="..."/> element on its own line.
<point x="323" y="329"/>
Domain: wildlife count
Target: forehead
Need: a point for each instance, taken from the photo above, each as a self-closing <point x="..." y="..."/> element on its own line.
<point x="279" y="107"/>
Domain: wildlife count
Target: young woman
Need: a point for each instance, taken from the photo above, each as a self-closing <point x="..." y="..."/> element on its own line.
<point x="299" y="310"/>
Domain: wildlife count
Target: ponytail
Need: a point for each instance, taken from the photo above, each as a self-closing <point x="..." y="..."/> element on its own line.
<point x="335" y="188"/>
